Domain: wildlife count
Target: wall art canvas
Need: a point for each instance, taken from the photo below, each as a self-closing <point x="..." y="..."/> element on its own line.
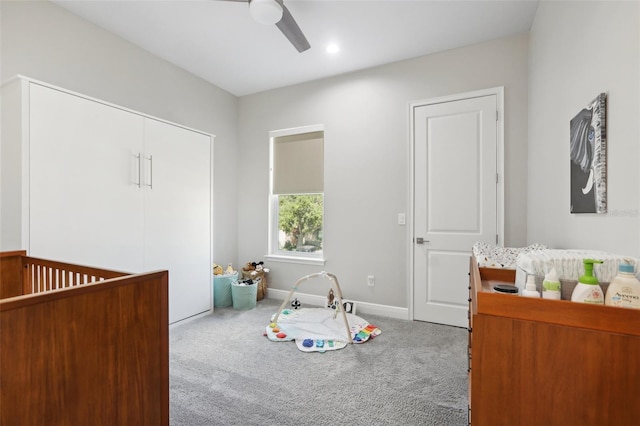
<point x="588" y="152"/>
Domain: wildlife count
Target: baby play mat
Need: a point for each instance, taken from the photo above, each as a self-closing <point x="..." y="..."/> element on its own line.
<point x="319" y="329"/>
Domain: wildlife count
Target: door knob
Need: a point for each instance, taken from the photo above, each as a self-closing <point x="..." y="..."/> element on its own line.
<point x="420" y="240"/>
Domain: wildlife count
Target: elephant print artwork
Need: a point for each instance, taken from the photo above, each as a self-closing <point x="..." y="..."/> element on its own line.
<point x="588" y="158"/>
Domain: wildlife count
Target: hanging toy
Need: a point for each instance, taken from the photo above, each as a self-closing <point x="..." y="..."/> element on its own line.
<point x="330" y="298"/>
<point x="295" y="303"/>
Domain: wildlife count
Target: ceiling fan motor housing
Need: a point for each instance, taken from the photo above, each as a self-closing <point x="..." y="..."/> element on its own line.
<point x="266" y="12"/>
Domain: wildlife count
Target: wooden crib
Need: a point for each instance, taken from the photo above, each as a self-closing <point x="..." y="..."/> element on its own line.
<point x="82" y="345"/>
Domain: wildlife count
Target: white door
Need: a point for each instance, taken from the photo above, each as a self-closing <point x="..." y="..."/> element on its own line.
<point x="455" y="201"/>
<point x="177" y="225"/>
<point x="85" y="202"/>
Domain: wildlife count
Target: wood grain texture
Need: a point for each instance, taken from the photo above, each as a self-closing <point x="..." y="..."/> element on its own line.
<point x="497" y="274"/>
<point x="40" y="275"/>
<point x="563" y="312"/>
<point x="531" y="373"/>
<point x="11" y="273"/>
<point x="93" y="354"/>
<point x="548" y="362"/>
<point x="21" y="274"/>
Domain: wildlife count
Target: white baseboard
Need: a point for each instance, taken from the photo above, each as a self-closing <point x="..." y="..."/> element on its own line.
<point x="361" y="307"/>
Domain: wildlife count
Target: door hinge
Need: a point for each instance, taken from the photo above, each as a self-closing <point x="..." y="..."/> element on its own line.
<point x="497" y="178"/>
<point x="497" y="115"/>
<point x="496" y="238"/>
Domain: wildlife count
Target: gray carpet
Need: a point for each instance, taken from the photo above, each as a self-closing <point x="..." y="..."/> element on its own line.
<point x="223" y="371"/>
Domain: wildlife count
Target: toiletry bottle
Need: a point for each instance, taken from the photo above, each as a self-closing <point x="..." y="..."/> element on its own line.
<point x="530" y="288"/>
<point x="588" y="289"/>
<point x="551" y="286"/>
<point x="624" y="288"/>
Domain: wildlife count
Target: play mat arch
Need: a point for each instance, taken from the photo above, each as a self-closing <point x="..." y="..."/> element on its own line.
<point x="319" y="329"/>
<point x="336" y="289"/>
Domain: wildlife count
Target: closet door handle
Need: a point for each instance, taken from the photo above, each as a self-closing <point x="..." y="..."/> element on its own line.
<point x="139" y="157"/>
<point x="150" y="172"/>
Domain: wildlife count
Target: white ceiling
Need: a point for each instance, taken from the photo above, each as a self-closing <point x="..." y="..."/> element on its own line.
<point x="218" y="40"/>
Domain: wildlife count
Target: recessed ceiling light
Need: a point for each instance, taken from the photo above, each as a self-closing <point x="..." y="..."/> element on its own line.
<point x="333" y="48"/>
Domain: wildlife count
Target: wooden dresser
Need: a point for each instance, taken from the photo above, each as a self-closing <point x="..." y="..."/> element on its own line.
<point x="549" y="362"/>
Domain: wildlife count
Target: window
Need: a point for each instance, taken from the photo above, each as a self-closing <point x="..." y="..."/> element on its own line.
<point x="297" y="194"/>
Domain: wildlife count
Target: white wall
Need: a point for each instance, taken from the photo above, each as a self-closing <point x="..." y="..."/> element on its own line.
<point x="45" y="42"/>
<point x="366" y="119"/>
<point x="577" y="50"/>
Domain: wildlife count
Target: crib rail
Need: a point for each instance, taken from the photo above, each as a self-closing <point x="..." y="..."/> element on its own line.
<point x="23" y="275"/>
<point x="95" y="354"/>
<point x="40" y="275"/>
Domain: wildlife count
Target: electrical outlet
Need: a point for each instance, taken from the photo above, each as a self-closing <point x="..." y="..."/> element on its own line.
<point x="371" y="280"/>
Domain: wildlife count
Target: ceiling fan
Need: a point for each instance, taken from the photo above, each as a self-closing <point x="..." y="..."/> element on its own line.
<point x="275" y="12"/>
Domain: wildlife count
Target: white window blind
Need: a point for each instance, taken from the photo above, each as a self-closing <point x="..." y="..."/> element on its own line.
<point x="298" y="164"/>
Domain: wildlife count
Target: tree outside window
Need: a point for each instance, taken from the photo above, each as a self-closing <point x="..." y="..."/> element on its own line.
<point x="300" y="222"/>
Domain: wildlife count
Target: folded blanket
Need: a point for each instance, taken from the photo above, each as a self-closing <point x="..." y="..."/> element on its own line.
<point x="492" y="256"/>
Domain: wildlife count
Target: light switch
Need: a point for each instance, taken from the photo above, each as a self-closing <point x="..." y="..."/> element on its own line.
<point x="402" y="219"/>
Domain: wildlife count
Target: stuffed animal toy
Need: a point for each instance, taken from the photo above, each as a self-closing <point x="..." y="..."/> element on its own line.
<point x="217" y="269"/>
<point x="256" y="272"/>
<point x="253" y="268"/>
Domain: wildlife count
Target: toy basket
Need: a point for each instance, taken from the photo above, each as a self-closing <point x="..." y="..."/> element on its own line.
<point x="260" y="280"/>
<point x="244" y="296"/>
<point x="222" y="289"/>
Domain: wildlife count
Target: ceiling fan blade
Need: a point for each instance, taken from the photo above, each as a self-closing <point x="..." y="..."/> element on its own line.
<point x="292" y="31"/>
<point x="288" y="27"/>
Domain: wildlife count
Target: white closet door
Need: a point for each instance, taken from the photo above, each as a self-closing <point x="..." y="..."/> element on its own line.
<point x="177" y="233"/>
<point x="85" y="205"/>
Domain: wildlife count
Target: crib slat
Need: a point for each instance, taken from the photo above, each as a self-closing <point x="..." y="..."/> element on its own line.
<point x="40" y="275"/>
<point x="46" y="279"/>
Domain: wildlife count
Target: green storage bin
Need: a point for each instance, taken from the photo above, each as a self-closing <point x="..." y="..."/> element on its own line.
<point x="244" y="296"/>
<point x="222" y="297"/>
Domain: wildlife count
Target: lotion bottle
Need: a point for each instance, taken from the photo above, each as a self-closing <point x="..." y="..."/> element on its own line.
<point x="530" y="288"/>
<point x="588" y="289"/>
<point x="551" y="286"/>
<point x="624" y="289"/>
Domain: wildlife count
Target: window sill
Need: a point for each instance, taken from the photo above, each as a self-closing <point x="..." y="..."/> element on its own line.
<point x="295" y="259"/>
